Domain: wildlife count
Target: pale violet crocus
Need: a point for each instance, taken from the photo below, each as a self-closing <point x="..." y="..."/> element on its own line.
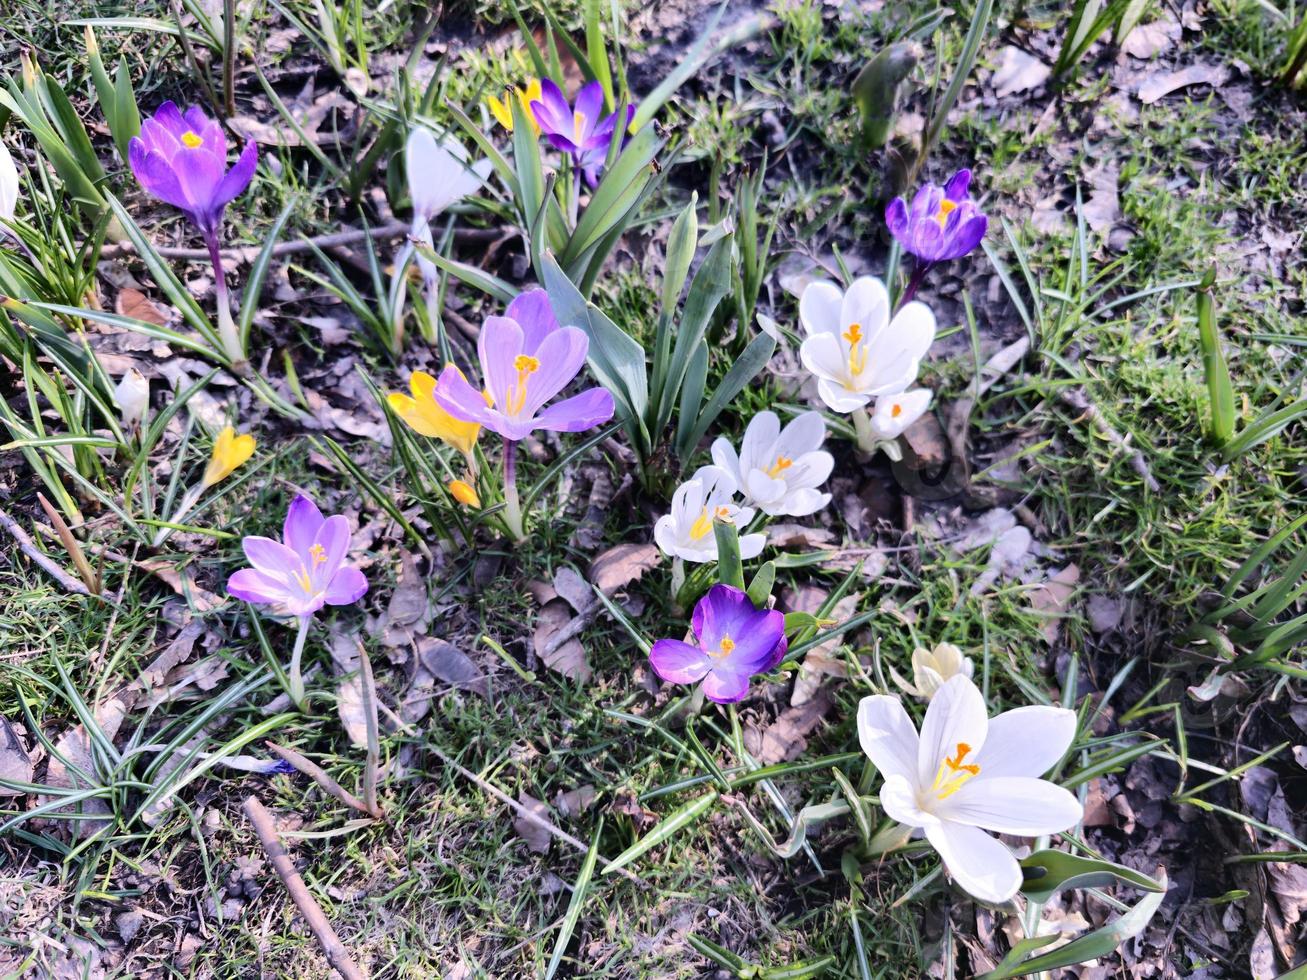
<point x="439" y="175"/>
<point x="857" y="350"/>
<point x="966" y="775"/>
<point x="931" y="669"/>
<point x="779" y="470"/>
<point x="687" y="532"/>
<point x="8" y="184"/>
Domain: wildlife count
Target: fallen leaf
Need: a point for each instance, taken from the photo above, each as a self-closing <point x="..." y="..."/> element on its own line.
<point x="349" y="704"/>
<point x="1017" y="71"/>
<point x="569" y="585"/>
<point x="75" y="746"/>
<point x="1050" y="598"/>
<point x="448" y="663"/>
<point x="575" y="801"/>
<point x="182" y="582"/>
<point x="621" y="565"/>
<point x="135" y="304"/>
<point x="15" y="763"/>
<point x="1104" y="612"/>
<point x="1149" y="40"/>
<point x="627" y="804"/>
<point x="786" y="737"/>
<point x="569" y="658"/>
<point x="1103" y="209"/>
<point x="537" y="837"/>
<point x="1159" y="86"/>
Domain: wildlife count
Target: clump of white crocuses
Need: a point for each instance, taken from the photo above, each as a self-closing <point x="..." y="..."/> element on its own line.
<point x="966" y="774"/>
<point x="686" y="533"/>
<point x="779" y="470"/>
<point x="439" y="175"/>
<point x="931" y="668"/>
<point x="860" y="352"/>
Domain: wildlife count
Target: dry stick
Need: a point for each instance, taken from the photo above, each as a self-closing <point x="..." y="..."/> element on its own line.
<point x="247" y="254"/>
<point x="29" y="548"/>
<point x="526" y="814"/>
<point x="1077" y="399"/>
<point x="325" y="782"/>
<point x="337" y="955"/>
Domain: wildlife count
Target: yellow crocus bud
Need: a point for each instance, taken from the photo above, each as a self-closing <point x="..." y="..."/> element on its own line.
<point x="423" y="414"/>
<point x="502" y="110"/>
<point x="464" y="493"/>
<point x="229" y="452"/>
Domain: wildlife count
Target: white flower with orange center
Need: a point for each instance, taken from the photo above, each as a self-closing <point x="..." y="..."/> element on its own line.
<point x="932" y="668"/>
<point x="687" y="531"/>
<point x="966" y="774"/>
<point x="854" y="347"/>
<point x="894" y="413"/>
<point x="779" y="470"/>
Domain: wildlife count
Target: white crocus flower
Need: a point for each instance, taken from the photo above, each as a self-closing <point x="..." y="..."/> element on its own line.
<point x="779" y="470"/>
<point x="966" y="774"/>
<point x="894" y="413"/>
<point x="853" y="346"/>
<point x="687" y="532"/>
<point x="438" y="176"/>
<point x="132" y="396"/>
<point x="8" y="184"/>
<point x="931" y="668"/>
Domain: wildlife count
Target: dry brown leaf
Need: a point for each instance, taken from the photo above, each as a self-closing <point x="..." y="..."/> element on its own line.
<point x="1051" y="598"/>
<point x="569" y="585"/>
<point x="448" y="663"/>
<point x="75" y="746"/>
<point x="1149" y="40"/>
<point x="135" y="304"/>
<point x="15" y="763"/>
<point x="575" y="801"/>
<point x="569" y="659"/>
<point x="786" y="737"/>
<point x="1017" y="71"/>
<point x="537" y="837"/>
<point x="349" y="703"/>
<point x="621" y="565"/>
<point x="1156" y="87"/>
<point x="181" y="581"/>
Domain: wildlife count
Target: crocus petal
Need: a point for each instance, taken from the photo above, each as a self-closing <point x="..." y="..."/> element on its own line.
<point x="1020" y="805"/>
<point x="235" y="180"/>
<point x="759" y="441"/>
<point x="303" y="522"/>
<point x="590" y="408"/>
<point x="589" y="104"/>
<point x="170" y="118"/>
<point x="462" y="401"/>
<point x="560" y="356"/>
<point x="889" y="738"/>
<point x="252" y="585"/>
<point x="157" y="176"/>
<point x="968" y="236"/>
<point x="819" y="308"/>
<point x="347" y="586"/>
<point x="981" y="865"/>
<point x="678" y="662"/>
<point x="1026" y="741"/>
<point x="898" y="798"/>
<point x="955" y="718"/>
<point x="535" y="315"/>
<point x="199" y="174"/>
<point x="723" y="455"/>
<point x="333" y="538"/>
<point x="839" y="398"/>
<point x="866" y="303"/>
<point x="271" y="556"/>
<point x="956" y="188"/>
<point x="498" y="346"/>
<point x="751" y="545"/>
<point x="725" y="687"/>
<point x="896" y="217"/>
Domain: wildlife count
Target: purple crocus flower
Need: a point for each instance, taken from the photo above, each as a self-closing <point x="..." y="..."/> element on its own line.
<point x="580" y="129"/>
<point x="182" y="159"/>
<point x="524" y="365"/>
<point x="943" y="223"/>
<point x="305" y="570"/>
<point x="734" y="641"/>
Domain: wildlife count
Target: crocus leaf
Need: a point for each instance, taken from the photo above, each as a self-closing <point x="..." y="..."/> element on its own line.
<point x="763" y="582"/>
<point x="667" y="828"/>
<point x="1049" y="871"/>
<point x="470" y="274"/>
<point x="711" y="283"/>
<point x="744" y="370"/>
<point x="692" y="391"/>
<point x="259" y="272"/>
<point x="729" y="570"/>
<point x="618" y="187"/>
<point x="1220" y="392"/>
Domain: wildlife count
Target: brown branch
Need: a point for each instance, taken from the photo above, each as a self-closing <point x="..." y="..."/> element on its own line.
<point x="337" y="955"/>
<point x="393" y="229"/>
<point x="324" y="781"/>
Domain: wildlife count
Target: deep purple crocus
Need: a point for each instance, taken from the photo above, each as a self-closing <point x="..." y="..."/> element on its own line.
<point x="306" y="569"/>
<point x="182" y="159"/>
<point x="526" y="359"/>
<point x="942" y="223"/>
<point x="733" y="642"/>
<point x="580" y="130"/>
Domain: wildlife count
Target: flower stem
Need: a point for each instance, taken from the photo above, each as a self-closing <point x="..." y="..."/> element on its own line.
<point x="512" y="504"/>
<point x="295" y="677"/>
<point x="678" y="581"/>
<point x="188" y="501"/>
<point x="919" y="271"/>
<point x="574" y="205"/>
<point x="227" y="332"/>
<point x="862" y="426"/>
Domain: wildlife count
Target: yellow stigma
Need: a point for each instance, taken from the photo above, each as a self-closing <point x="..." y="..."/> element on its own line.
<point x="724" y="650"/>
<point x="191" y="139"/>
<point x="525" y="365"/>
<point x="954" y="773"/>
<point x="857" y="356"/>
<point x="946" y="207"/>
<point x="319" y="554"/>
<point x="782" y="464"/>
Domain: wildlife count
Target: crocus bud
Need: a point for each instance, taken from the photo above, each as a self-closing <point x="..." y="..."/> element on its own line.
<point x="229" y="452"/>
<point x="876" y="89"/>
<point x="8" y="183"/>
<point x="464" y="493"/>
<point x="132" y="396"/>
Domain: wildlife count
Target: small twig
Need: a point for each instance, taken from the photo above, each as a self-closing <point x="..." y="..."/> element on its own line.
<point x="1078" y="400"/>
<point x="247" y="254"/>
<point x="319" y="776"/>
<point x="337" y="955"/>
<point x="526" y="814"/>
<point x="29" y="548"/>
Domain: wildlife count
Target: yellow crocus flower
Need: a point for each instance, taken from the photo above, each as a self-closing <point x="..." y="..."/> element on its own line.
<point x="464" y="493"/>
<point x="423" y="415"/>
<point x="502" y="110"/>
<point x="229" y="452"/>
